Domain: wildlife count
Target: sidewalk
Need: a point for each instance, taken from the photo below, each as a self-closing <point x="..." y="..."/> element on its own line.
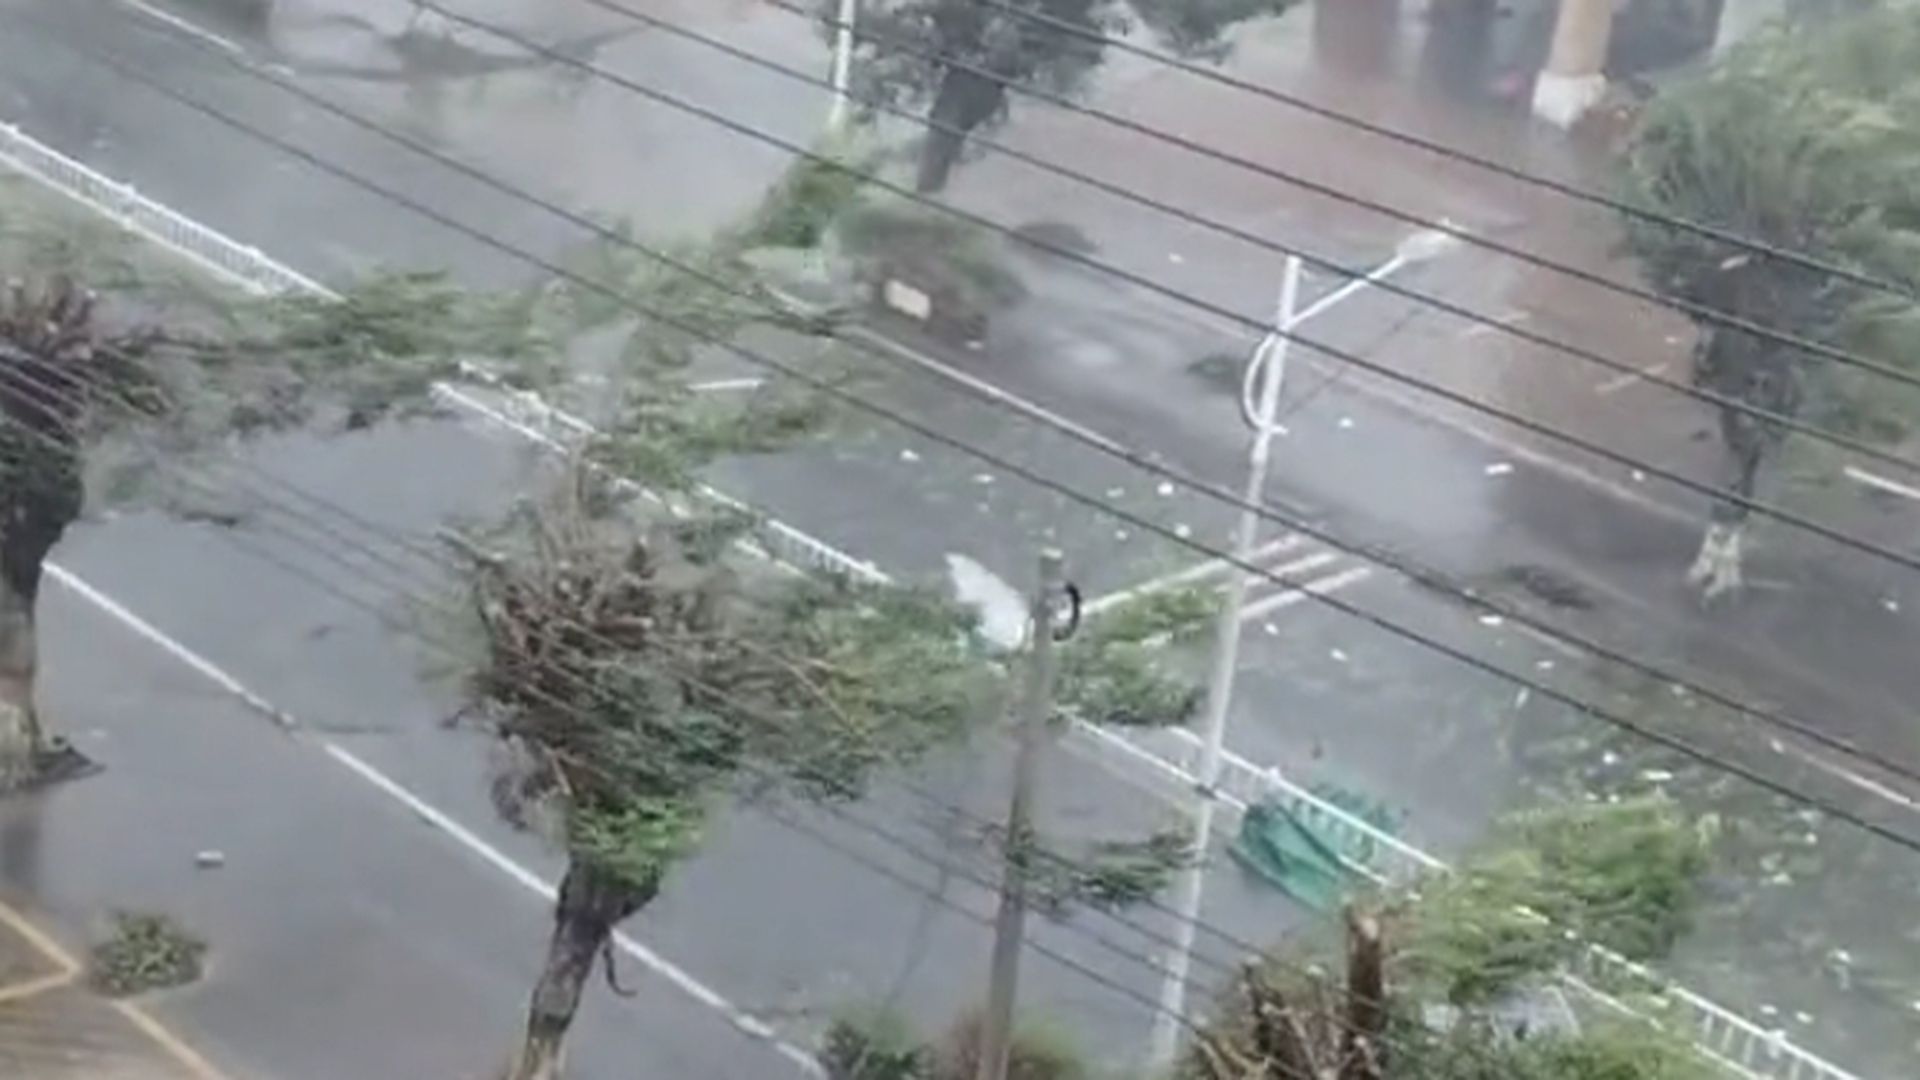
<point x="53" y="1028"/>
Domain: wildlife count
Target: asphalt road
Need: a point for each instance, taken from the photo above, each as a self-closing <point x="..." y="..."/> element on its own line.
<point x="296" y="606"/>
<point x="899" y="501"/>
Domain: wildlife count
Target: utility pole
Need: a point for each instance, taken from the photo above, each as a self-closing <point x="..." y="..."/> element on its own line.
<point x="1009" y="923"/>
<point x="841" y="74"/>
<point x="1260" y="407"/>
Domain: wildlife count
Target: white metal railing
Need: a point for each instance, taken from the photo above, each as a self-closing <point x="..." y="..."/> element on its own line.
<point x="1729" y="1038"/>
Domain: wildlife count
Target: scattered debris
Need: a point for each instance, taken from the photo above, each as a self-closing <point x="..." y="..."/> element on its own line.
<point x="1556" y="589"/>
<point x="210" y="859"/>
<point x="983" y="478"/>
<point x="1491" y="620"/>
<point x="145" y="952"/>
<point x="1346" y="421"/>
<point x="908" y="455"/>
<point x="1499" y="468"/>
<point x="1183" y="531"/>
<point x="1165" y="488"/>
<point x="1338" y="656"/>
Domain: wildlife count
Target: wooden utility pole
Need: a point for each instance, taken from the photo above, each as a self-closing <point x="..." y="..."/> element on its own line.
<point x="1009" y="923"/>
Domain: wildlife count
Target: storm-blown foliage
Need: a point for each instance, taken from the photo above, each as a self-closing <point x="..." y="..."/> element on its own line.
<point x="1618" y="875"/>
<point x="1802" y="139"/>
<point x="112" y="367"/>
<point x="957" y="59"/>
<point x="638" y="673"/>
<point x="1430" y="986"/>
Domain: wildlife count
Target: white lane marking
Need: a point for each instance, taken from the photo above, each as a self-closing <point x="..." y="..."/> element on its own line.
<point x="718" y="385"/>
<point x="1283" y="571"/>
<point x="184" y="26"/>
<point x="546" y="890"/>
<point x="1196" y="572"/>
<point x="1350" y="576"/>
<point x="193" y="661"/>
<point x="431" y="815"/>
<point x="1874" y="480"/>
<point x="1625" y="379"/>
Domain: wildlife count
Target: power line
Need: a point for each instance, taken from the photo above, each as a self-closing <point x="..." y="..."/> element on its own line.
<point x="1537" y="427"/>
<point x="1405" y="138"/>
<point x="944" y="866"/>
<point x="837" y="392"/>
<point x="907" y="846"/>
<point x="1135" y="459"/>
<point x="338" y="545"/>
<point x="326" y="550"/>
<point x="1410" y="570"/>
<point x="1693" y="308"/>
<point x="333" y="556"/>
<point x="335" y="559"/>
<point x="1179" y="213"/>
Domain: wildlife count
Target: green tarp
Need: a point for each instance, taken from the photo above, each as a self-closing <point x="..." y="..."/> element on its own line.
<point x="1307" y="853"/>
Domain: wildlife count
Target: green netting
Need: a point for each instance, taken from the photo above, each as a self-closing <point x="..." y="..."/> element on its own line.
<point x="1307" y="853"/>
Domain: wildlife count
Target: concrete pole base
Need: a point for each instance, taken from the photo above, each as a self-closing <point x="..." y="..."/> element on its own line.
<point x="1561" y="100"/>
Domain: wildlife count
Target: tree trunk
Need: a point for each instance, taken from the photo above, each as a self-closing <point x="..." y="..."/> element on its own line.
<point x="20" y="736"/>
<point x="591" y="903"/>
<point x="33" y="516"/>
<point x="966" y="100"/>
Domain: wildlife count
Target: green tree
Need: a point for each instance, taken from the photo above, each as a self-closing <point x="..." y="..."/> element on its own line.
<point x="638" y="675"/>
<point x="1800" y="139"/>
<point x="118" y="364"/>
<point x="114" y="367"/>
<point x="640" y="669"/>
<point x="1426" y="985"/>
<point x="959" y="59"/>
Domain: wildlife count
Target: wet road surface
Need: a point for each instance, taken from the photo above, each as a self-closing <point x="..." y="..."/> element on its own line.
<point x="891" y="499"/>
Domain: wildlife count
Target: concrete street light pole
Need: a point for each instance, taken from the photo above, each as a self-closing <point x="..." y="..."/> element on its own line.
<point x="1260" y="406"/>
<point x="842" y="73"/>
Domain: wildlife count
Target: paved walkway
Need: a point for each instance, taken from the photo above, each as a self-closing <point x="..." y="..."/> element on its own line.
<point x="53" y="1028"/>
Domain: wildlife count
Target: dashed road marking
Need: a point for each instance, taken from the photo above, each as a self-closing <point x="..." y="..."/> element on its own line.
<point x="1280" y="585"/>
<point x="1191" y="575"/>
<point x="1352" y="575"/>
